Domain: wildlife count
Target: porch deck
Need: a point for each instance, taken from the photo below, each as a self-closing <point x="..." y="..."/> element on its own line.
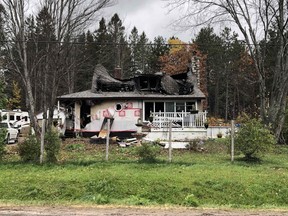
<point x="179" y="119"/>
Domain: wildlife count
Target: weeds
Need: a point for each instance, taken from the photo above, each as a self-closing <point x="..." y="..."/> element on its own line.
<point x="192" y="179"/>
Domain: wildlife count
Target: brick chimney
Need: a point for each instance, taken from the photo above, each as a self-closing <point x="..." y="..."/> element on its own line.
<point x="117" y="73"/>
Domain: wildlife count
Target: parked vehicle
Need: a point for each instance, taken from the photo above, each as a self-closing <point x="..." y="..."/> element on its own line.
<point x="16" y="117"/>
<point x="12" y="133"/>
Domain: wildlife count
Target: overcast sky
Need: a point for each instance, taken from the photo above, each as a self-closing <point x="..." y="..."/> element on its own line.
<point x="150" y="16"/>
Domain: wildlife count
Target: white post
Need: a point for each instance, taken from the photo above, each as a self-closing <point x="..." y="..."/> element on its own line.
<point x="42" y="140"/>
<point x="182" y="119"/>
<point x="58" y="106"/>
<point x="160" y="119"/>
<point x="107" y="138"/>
<point x="170" y="141"/>
<point x="232" y="140"/>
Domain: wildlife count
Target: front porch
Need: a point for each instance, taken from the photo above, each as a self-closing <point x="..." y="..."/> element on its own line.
<point x="178" y="119"/>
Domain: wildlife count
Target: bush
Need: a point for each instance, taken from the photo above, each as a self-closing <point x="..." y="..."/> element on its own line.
<point x="217" y="146"/>
<point x="191" y="201"/>
<point x="29" y="150"/>
<point x="136" y="200"/>
<point x="52" y="146"/>
<point x="75" y="147"/>
<point x="196" y="145"/>
<point x="253" y="139"/>
<point x="147" y="152"/>
<point x="2" y="142"/>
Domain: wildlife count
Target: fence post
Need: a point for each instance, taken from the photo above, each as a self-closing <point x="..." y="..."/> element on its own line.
<point x="232" y="140"/>
<point x="170" y="141"/>
<point x="107" y="139"/>
<point x="42" y="139"/>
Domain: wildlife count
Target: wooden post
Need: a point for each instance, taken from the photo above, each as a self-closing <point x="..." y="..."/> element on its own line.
<point x="42" y="140"/>
<point x="107" y="138"/>
<point x="232" y="140"/>
<point x="170" y="141"/>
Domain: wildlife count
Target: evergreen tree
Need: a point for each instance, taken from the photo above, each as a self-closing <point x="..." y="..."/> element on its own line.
<point x="119" y="50"/>
<point x="3" y="97"/>
<point x="102" y="44"/>
<point x="210" y="44"/>
<point x="86" y="54"/>
<point x="116" y="33"/>
<point x="225" y="70"/>
<point x="47" y="58"/>
<point x="140" y="51"/>
<point x="144" y="50"/>
<point x="14" y="102"/>
<point x="133" y="44"/>
<point x="158" y="48"/>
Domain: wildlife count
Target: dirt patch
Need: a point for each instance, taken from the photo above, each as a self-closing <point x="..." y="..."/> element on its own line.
<point x="129" y="211"/>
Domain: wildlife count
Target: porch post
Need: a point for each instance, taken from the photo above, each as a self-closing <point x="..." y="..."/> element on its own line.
<point x="182" y="119"/>
<point x="160" y="119"/>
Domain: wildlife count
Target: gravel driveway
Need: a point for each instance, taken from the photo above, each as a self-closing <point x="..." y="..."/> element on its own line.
<point x="121" y="211"/>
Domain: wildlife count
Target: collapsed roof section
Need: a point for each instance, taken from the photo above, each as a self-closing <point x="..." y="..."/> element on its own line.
<point x="103" y="81"/>
<point x="159" y="82"/>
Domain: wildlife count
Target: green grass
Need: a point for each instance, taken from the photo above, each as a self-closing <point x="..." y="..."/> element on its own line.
<point x="192" y="179"/>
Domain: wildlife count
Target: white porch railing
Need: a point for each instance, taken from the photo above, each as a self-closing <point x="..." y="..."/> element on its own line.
<point x="179" y="119"/>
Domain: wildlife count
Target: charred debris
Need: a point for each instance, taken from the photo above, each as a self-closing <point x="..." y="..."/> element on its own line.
<point x="159" y="82"/>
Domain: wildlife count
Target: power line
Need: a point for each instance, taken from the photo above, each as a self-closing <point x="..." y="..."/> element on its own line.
<point x="243" y="43"/>
<point x="120" y="44"/>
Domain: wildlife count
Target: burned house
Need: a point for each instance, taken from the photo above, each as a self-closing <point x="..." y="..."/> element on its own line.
<point x="155" y="100"/>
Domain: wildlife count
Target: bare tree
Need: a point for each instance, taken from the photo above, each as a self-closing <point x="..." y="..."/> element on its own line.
<point x="254" y="19"/>
<point x="68" y="16"/>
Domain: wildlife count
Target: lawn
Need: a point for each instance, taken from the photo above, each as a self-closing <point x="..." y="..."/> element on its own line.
<point x="206" y="179"/>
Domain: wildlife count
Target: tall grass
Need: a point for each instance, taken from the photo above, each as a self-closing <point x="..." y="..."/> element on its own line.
<point x="192" y="179"/>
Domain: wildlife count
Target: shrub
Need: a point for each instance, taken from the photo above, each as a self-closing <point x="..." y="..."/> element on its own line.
<point x="29" y="150"/>
<point x="2" y="142"/>
<point x="196" y="145"/>
<point x="136" y="200"/>
<point x="52" y="146"/>
<point x="217" y="146"/>
<point x="191" y="201"/>
<point x="98" y="199"/>
<point x="75" y="147"/>
<point x="253" y="139"/>
<point x="147" y="152"/>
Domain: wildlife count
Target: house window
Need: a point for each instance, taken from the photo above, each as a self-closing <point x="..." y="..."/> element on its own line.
<point x="159" y="107"/>
<point x="12" y="118"/>
<point x="122" y="113"/>
<point x="118" y="107"/>
<point x="180" y="106"/>
<point x="190" y="106"/>
<point x="169" y="106"/>
<point x="149" y="107"/>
